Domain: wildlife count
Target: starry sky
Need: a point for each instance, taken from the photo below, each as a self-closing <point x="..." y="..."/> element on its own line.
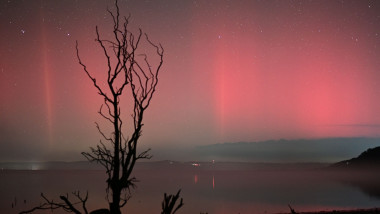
<point x="244" y="70"/>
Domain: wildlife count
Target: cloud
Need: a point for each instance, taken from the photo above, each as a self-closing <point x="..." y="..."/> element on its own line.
<point x="358" y="125"/>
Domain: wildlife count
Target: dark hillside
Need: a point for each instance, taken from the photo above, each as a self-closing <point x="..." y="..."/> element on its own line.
<point x="367" y="159"/>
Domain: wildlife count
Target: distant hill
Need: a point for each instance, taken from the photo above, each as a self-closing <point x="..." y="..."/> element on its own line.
<point x="328" y="150"/>
<point x="367" y="159"/>
<point x="50" y="165"/>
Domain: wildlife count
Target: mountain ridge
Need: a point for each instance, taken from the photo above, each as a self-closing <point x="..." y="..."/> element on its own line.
<point x="367" y="159"/>
<point x="329" y="150"/>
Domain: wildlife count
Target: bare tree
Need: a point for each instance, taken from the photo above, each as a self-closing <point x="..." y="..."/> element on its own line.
<point x="126" y="70"/>
<point x="141" y="78"/>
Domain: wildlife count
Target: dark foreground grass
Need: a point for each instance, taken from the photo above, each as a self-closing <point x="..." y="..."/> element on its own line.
<point x="352" y="211"/>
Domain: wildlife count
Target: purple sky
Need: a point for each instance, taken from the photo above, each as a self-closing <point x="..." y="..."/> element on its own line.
<point x="233" y="71"/>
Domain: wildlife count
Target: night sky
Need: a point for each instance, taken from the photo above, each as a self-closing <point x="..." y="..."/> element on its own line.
<point x="233" y="71"/>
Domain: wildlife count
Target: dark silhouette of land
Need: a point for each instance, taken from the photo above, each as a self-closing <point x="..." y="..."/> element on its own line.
<point x="367" y="160"/>
<point x="362" y="172"/>
<point x="355" y="211"/>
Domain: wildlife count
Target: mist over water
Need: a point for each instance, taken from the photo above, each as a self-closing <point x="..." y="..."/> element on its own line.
<point x="212" y="188"/>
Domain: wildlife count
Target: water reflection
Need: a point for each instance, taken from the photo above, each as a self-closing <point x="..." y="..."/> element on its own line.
<point x="239" y="189"/>
<point x="213" y="180"/>
<point x="366" y="181"/>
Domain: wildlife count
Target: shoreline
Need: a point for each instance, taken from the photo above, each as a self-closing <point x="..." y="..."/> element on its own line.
<point x="350" y="211"/>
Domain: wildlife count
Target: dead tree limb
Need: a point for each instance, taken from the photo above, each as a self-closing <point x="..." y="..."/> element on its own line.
<point x="292" y="210"/>
<point x="65" y="204"/>
<point x="169" y="203"/>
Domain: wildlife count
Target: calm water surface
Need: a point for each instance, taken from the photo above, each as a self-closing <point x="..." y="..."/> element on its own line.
<point x="212" y="188"/>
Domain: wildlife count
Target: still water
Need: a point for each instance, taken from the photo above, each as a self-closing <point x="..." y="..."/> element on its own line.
<point x="213" y="188"/>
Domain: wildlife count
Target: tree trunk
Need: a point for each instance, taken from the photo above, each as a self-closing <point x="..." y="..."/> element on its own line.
<point x="114" y="206"/>
<point x="115" y="187"/>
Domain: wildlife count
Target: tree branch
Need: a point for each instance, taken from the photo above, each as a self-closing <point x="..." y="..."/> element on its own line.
<point x="66" y="204"/>
<point x="169" y="202"/>
<point x="100" y="91"/>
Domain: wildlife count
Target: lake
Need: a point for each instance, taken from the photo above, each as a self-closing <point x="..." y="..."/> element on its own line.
<point x="212" y="188"/>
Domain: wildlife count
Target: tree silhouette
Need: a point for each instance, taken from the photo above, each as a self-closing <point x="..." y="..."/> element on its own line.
<point x="119" y="161"/>
<point x="127" y="70"/>
<point x="169" y="203"/>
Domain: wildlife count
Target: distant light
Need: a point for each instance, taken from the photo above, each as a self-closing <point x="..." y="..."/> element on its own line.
<point x="22" y="31"/>
<point x="195" y="164"/>
<point x="35" y="166"/>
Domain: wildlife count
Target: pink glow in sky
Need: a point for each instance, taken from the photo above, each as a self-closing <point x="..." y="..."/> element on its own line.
<point x="233" y="71"/>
